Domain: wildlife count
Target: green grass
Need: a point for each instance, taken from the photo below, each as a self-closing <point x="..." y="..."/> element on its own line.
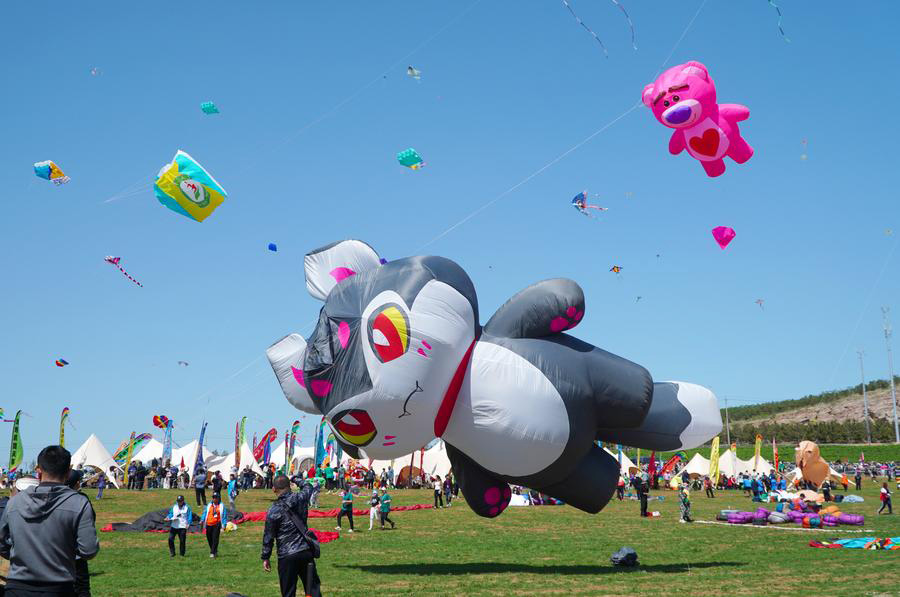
<point x="537" y="550"/>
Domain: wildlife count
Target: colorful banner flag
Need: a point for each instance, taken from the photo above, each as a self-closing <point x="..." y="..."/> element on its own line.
<point x="237" y="453"/>
<point x="199" y="463"/>
<point x="270" y="436"/>
<point x="651" y="468"/>
<point x="287" y="452"/>
<point x="267" y="450"/>
<point x="237" y="444"/>
<point x="638" y="461"/>
<point x="295" y="431"/>
<point x="619" y="447"/>
<point x="129" y="452"/>
<point x="862" y="457"/>
<point x="775" y="454"/>
<point x="15" y="446"/>
<point x="62" y="426"/>
<point x="320" y="443"/>
<point x="671" y="463"/>
<point x="756" y="449"/>
<point x="253" y="448"/>
<point x="714" y="461"/>
<point x="137" y="442"/>
<point x="167" y="443"/>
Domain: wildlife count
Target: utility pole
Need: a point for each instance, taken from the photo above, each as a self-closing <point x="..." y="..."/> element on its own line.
<point x="887" y="342"/>
<point x="727" y="424"/>
<point x="865" y="399"/>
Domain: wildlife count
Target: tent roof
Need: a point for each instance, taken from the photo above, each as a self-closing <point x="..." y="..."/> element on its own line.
<point x="697" y="465"/>
<point x="434" y="462"/>
<point x="92" y="453"/>
<point x="224" y="466"/>
<point x="189" y="453"/>
<point x="152" y="449"/>
<point x="627" y="464"/>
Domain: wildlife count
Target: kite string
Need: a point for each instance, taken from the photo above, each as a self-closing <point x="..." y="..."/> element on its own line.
<point x="586" y="28"/>
<point x="780" y="29"/>
<point x="627" y="18"/>
<point x="571" y="149"/>
<point x="875" y="284"/>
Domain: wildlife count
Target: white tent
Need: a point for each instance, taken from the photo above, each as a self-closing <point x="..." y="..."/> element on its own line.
<point x="189" y="453"/>
<point x="731" y="465"/>
<point x="152" y="449"/>
<point x="92" y="453"/>
<point x="796" y="474"/>
<point x="764" y="466"/>
<point x="224" y="465"/>
<point x="433" y="462"/>
<point x="627" y="464"/>
<point x="697" y="465"/>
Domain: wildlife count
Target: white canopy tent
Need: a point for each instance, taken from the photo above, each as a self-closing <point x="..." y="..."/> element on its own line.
<point x="92" y="453"/>
<point x="300" y="453"/>
<point x="189" y="454"/>
<point x="627" y="465"/>
<point x="698" y="466"/>
<point x="224" y="465"/>
<point x="433" y="462"/>
<point x="152" y="449"/>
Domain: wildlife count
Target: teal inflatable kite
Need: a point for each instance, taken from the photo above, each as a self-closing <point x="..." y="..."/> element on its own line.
<point x="209" y="108"/>
<point x="410" y="158"/>
<point x="185" y="187"/>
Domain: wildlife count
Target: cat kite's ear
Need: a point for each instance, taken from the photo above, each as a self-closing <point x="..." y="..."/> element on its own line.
<point x="326" y="266"/>
<point x="286" y="357"/>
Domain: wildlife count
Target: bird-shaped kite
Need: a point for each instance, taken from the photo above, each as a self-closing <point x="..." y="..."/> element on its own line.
<point x="580" y="203"/>
<point x="115" y="261"/>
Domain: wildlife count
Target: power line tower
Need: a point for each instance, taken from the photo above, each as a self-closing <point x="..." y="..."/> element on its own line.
<point x="887" y="342"/>
<point x="865" y="398"/>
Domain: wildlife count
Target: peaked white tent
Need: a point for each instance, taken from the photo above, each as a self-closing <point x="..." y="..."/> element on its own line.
<point x="92" y="453"/>
<point x="627" y="464"/>
<point x="224" y="465"/>
<point x="698" y="466"/>
<point x="189" y="453"/>
<point x="152" y="449"/>
<point x="433" y="462"/>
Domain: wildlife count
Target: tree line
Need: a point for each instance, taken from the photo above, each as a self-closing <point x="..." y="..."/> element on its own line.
<point x="831" y="432"/>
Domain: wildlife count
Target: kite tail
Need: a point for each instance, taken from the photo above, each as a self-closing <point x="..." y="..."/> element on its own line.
<point x="778" y="10"/>
<point x="627" y="18"/>
<point x="586" y="28"/>
<point x="127" y="275"/>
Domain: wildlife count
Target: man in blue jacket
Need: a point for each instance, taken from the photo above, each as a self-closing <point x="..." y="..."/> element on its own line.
<point x="44" y="528"/>
<point x="181" y="517"/>
<point x="295" y="557"/>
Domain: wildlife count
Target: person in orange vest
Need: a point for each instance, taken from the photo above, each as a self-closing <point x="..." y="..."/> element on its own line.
<point x="214" y="520"/>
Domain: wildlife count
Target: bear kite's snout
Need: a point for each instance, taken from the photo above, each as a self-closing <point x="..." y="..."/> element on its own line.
<point x="681" y="114"/>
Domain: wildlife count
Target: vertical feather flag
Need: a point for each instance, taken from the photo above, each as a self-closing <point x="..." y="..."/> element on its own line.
<point x="62" y="426"/>
<point x="295" y="430"/>
<point x="638" y="461"/>
<point x="237" y="452"/>
<point x="619" y="446"/>
<point x="237" y="444"/>
<point x="167" y="443"/>
<point x="267" y="450"/>
<point x="651" y="468"/>
<point x="254" y="442"/>
<point x="287" y="451"/>
<point x="756" y="449"/>
<point x="775" y="453"/>
<point x="15" y="446"/>
<point x="128" y="456"/>
<point x="199" y="463"/>
<point x="320" y="443"/>
<point x="714" y="461"/>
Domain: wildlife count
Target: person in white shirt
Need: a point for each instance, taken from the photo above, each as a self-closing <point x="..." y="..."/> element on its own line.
<point x="374" y="503"/>
<point x="438" y="492"/>
<point x="181" y="517"/>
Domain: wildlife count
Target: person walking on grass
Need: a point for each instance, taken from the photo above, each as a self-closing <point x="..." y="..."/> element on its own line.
<point x="438" y="490"/>
<point x="200" y="486"/>
<point x="885" y="499"/>
<point x="346" y="509"/>
<point x="684" y="502"/>
<point x="386" y="508"/>
<point x="44" y="529"/>
<point x="286" y="524"/>
<point x="707" y="484"/>
<point x="101" y="485"/>
<point x="448" y="489"/>
<point x="374" y="503"/>
<point x="620" y="488"/>
<point x="643" y="490"/>
<point x="213" y="521"/>
<point x="181" y="517"/>
<point x="232" y="489"/>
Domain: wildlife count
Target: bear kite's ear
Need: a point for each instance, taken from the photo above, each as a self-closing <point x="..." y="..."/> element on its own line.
<point x="697" y="69"/>
<point x="328" y="265"/>
<point x="647" y="96"/>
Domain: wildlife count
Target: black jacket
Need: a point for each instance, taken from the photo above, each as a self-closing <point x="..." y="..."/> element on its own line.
<point x="280" y="527"/>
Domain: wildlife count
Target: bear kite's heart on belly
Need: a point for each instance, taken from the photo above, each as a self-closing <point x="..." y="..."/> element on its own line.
<point x="708" y="144"/>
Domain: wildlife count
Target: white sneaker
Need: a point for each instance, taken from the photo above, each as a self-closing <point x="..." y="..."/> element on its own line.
<point x="350" y="531"/>
<point x="337" y="528"/>
<point x="212" y="555"/>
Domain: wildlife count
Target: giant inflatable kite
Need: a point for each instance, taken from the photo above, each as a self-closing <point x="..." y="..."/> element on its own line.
<point x="399" y="357"/>
<point x="684" y="98"/>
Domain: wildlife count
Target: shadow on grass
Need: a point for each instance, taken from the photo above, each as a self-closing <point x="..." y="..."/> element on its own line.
<point x="500" y="567"/>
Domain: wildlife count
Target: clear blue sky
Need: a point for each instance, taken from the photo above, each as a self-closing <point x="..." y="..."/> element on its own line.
<point x="506" y="88"/>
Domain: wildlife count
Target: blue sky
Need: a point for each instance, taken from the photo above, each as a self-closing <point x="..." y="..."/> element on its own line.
<point x="315" y="104"/>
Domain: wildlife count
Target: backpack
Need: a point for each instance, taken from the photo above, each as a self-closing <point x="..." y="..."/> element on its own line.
<point x="626" y="556"/>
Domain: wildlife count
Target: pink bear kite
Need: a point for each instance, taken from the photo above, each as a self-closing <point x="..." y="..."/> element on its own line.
<point x="684" y="98"/>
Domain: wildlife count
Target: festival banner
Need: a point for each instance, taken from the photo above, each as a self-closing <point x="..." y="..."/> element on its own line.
<point x="775" y="454"/>
<point x="129" y="452"/>
<point x="237" y="444"/>
<point x="199" y="463"/>
<point x="267" y="450"/>
<point x="756" y="449"/>
<point x="714" y="461"/>
<point x="135" y="443"/>
<point x="167" y="443"/>
<point x="295" y="431"/>
<point x="15" y="446"/>
<point x="671" y="463"/>
<point x="320" y="443"/>
<point x="253" y="447"/>
<point x="270" y="436"/>
<point x="651" y="468"/>
<point x="638" y="461"/>
<point x="62" y="426"/>
<point x="237" y="453"/>
<point x="619" y="447"/>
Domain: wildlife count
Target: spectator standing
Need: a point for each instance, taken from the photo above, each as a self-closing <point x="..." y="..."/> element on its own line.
<point x="213" y="521"/>
<point x="286" y="524"/>
<point x="386" y="508"/>
<point x="44" y="529"/>
<point x="448" y="489"/>
<point x="217" y="483"/>
<point x="643" y="491"/>
<point x="685" y="504"/>
<point x="857" y="478"/>
<point x="82" y="573"/>
<point x="346" y="509"/>
<point x="885" y="499"/>
<point x="181" y="517"/>
<point x="620" y="488"/>
<point x="391" y="476"/>
<point x="101" y="485"/>
<point x="232" y="490"/>
<point x="438" y="489"/>
<point x="708" y="486"/>
<point x="374" y="504"/>
<point x="200" y="486"/>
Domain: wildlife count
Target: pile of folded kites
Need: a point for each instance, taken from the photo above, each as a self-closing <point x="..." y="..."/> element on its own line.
<point x="873" y="543"/>
<point x="798" y="512"/>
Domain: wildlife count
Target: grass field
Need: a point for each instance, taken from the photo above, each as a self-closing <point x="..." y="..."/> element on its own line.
<point x="536" y="550"/>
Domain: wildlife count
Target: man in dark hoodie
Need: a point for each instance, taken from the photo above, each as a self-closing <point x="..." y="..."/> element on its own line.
<point x="44" y="528"/>
<point x="295" y="557"/>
